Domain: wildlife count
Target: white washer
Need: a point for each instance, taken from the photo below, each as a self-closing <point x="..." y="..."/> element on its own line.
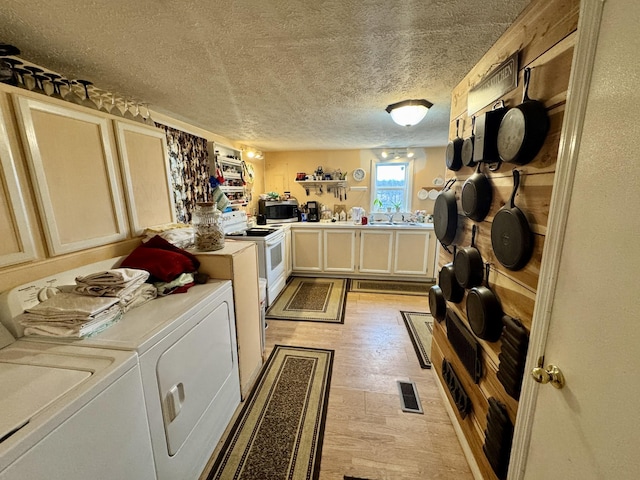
<point x="67" y="412"/>
<point x="186" y="345"/>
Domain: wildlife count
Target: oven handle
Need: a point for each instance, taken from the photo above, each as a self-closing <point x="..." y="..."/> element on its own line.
<point x="274" y="241"/>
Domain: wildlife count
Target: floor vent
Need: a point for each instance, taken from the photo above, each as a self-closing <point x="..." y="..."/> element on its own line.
<point x="409" y="397"/>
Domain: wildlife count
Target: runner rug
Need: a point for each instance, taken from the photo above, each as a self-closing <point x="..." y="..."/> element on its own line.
<point x="420" y="327"/>
<point x="311" y="299"/>
<point x="279" y="431"/>
<point x="390" y="286"/>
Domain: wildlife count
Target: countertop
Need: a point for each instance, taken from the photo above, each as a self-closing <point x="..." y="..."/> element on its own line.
<point x="375" y="225"/>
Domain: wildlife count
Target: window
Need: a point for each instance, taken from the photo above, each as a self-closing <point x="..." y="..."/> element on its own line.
<point x="391" y="184"/>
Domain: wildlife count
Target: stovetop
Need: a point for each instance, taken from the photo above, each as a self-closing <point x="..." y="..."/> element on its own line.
<point x="253" y="232"/>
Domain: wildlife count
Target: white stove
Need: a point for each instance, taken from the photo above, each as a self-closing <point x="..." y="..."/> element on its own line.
<point x="271" y="255"/>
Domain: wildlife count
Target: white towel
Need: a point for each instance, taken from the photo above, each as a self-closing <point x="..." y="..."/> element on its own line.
<point x="139" y="296"/>
<point x="72" y="305"/>
<point x="69" y="325"/>
<point x="118" y="282"/>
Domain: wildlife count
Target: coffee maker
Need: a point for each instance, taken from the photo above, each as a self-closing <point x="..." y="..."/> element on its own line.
<point x="313" y="212"/>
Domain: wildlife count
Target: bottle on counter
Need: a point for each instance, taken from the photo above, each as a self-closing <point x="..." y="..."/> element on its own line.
<point x="207" y="227"/>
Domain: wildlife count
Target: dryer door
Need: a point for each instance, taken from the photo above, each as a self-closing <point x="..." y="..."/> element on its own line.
<point x="192" y="371"/>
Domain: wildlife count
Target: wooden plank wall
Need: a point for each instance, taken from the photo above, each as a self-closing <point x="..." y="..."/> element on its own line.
<point x="544" y="34"/>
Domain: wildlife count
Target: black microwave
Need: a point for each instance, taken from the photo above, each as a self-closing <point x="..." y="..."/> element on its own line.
<point x="277" y="211"/>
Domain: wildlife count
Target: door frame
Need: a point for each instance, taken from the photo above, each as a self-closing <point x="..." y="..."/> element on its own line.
<point x="577" y="96"/>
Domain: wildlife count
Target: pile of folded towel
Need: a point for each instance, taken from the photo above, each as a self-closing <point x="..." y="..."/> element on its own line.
<point x="96" y="302"/>
<point x="71" y="315"/>
<point x="127" y="284"/>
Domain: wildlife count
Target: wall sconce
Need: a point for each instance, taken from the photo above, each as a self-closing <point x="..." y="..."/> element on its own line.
<point x="409" y="112"/>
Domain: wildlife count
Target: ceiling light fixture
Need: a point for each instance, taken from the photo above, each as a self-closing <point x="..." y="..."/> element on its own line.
<point x="409" y="112"/>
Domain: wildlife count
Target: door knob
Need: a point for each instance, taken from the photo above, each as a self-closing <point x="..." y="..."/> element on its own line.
<point x="551" y="374"/>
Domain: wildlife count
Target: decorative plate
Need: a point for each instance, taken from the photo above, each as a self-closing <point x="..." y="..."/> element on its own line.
<point x="423" y="194"/>
<point x="359" y="174"/>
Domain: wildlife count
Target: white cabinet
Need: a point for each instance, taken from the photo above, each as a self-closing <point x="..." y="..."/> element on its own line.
<point x="376" y="251"/>
<point x="288" y="254"/>
<point x="307" y="250"/>
<point x="146" y="175"/>
<point x="71" y="156"/>
<point x="339" y="250"/>
<point x="17" y="244"/>
<point x="411" y="252"/>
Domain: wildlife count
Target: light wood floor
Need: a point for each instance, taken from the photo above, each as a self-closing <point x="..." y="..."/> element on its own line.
<point x="367" y="434"/>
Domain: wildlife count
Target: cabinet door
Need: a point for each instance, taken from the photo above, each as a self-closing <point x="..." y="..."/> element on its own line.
<point x="147" y="179"/>
<point x="376" y="248"/>
<point x="17" y="241"/>
<point x="307" y="250"/>
<point x="411" y="255"/>
<point x="74" y="173"/>
<point x="339" y="250"/>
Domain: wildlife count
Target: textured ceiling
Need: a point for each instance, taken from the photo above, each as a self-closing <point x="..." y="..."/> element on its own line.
<point x="273" y="74"/>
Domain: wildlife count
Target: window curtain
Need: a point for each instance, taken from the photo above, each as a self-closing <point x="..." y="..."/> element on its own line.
<point x="189" y="166"/>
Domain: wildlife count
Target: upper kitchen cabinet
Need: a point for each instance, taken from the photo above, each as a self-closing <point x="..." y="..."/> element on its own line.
<point x="70" y="152"/>
<point x="17" y="241"/>
<point x="146" y="175"/>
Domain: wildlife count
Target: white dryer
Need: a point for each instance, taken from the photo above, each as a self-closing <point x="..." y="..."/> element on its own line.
<point x="186" y="347"/>
<point x="68" y="412"/>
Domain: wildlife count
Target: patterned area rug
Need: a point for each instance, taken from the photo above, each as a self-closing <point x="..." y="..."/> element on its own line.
<point x="390" y="286"/>
<point x="420" y="327"/>
<point x="280" y="430"/>
<point x="311" y="299"/>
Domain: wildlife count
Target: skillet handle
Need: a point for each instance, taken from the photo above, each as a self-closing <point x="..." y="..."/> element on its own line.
<point x="449" y="184"/>
<point x="495" y="105"/>
<point x="473" y="125"/>
<point x="457" y="128"/>
<point x="516" y="184"/>
<point x="473" y="235"/>
<point x="527" y="77"/>
<point x="487" y="271"/>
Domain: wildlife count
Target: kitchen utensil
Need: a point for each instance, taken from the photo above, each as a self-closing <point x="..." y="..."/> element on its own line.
<point x="523" y="129"/>
<point x="437" y="303"/>
<point x="453" y="153"/>
<point x="485" y="147"/>
<point x="448" y="283"/>
<point x="457" y="391"/>
<point x="467" y="146"/>
<point x="511" y="236"/>
<point x="484" y="311"/>
<point x="477" y="195"/>
<point x="445" y="214"/>
<point x="467" y="264"/>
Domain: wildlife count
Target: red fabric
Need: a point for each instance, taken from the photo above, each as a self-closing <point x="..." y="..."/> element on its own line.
<point x="161" y="259"/>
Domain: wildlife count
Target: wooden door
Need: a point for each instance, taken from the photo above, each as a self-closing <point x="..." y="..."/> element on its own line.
<point x="589" y="428"/>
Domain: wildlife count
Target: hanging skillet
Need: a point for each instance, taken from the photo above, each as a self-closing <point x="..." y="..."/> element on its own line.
<point x="477" y="196"/>
<point x="437" y="303"/>
<point x="511" y="236"/>
<point x="453" y="156"/>
<point x="467" y="264"/>
<point x="467" y="146"/>
<point x="445" y="214"/>
<point x="451" y="289"/>
<point x="523" y="129"/>
<point x="484" y="311"/>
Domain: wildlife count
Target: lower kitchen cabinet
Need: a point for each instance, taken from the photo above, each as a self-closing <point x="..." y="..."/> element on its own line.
<point x="307" y="250"/>
<point x="339" y="250"/>
<point x="376" y="248"/>
<point x="363" y="251"/>
<point x="411" y="253"/>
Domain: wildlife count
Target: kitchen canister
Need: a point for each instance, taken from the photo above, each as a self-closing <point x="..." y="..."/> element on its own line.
<point x="207" y="227"/>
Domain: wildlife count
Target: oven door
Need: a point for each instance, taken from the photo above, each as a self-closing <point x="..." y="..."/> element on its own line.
<point x="274" y="265"/>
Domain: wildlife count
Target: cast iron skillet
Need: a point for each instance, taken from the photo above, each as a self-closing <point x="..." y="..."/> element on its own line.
<point x="437" y="303"/>
<point x="445" y="214"/>
<point x="484" y="311"/>
<point x="467" y="146"/>
<point x="477" y="196"/>
<point x="511" y="236"/>
<point x="454" y="151"/>
<point x="448" y="283"/>
<point x="468" y="265"/>
<point x="523" y="129"/>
